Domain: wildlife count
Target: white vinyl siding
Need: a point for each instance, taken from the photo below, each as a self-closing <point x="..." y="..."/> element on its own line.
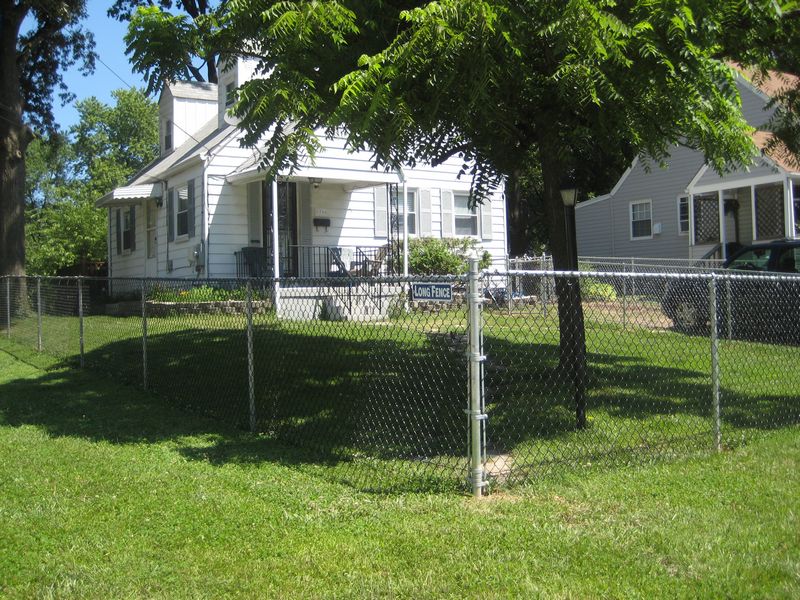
<point x="641" y="220"/>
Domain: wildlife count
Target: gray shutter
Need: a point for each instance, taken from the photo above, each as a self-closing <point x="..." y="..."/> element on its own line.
<point x="119" y="231"/>
<point x="425" y="218"/>
<point x="190" y="211"/>
<point x="486" y="219"/>
<point x="133" y="228"/>
<point x="254" y="213"/>
<point x="447" y="213"/>
<point x="171" y="215"/>
<point x="381" y="209"/>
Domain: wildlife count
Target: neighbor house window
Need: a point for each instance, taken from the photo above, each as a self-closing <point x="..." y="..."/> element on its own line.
<point x="168" y="135"/>
<point x="641" y="220"/>
<point x="151" y="230"/>
<point x="411" y="214"/>
<point x="127" y="229"/>
<point x="182" y="212"/>
<point x="683" y="215"/>
<point x="466" y="218"/>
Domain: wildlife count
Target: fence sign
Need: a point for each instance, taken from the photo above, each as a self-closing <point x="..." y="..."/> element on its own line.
<point x="437" y="292"/>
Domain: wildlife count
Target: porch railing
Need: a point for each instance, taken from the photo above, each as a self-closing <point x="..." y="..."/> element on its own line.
<point x="313" y="261"/>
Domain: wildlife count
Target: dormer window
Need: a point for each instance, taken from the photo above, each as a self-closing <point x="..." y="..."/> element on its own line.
<point x="230" y="93"/>
<point x="168" y="135"/>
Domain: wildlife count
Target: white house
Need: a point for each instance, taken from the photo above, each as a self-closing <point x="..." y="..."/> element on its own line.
<point x="688" y="210"/>
<point x="203" y="209"/>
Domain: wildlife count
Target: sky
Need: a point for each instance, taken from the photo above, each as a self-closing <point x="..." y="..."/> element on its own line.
<point x="110" y="48"/>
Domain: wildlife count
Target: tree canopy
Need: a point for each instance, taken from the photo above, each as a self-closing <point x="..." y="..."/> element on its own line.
<point x="67" y="174"/>
<point x="38" y="40"/>
<point x="171" y="40"/>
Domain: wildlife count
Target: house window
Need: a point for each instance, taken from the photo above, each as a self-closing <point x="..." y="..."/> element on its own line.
<point x="230" y="93"/>
<point x="641" y="220"/>
<point x="151" y="230"/>
<point x="683" y="215"/>
<point x="466" y="218"/>
<point x="168" y="135"/>
<point x="127" y="229"/>
<point x="769" y="211"/>
<point x="182" y="212"/>
<point x="411" y="214"/>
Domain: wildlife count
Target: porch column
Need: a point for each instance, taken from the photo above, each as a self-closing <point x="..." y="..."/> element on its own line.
<point x="405" y="228"/>
<point x="276" y="261"/>
<point x="792" y="210"/>
<point x="722" y="236"/>
<point x="788" y="198"/>
<point x="691" y="225"/>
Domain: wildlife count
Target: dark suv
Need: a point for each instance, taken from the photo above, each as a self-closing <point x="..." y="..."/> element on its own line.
<point x="747" y="307"/>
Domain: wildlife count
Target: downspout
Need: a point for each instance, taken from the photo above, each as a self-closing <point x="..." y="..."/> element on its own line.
<point x="204" y="232"/>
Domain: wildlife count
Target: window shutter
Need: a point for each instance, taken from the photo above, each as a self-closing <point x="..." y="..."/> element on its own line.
<point x="133" y="228"/>
<point x="171" y="215"/>
<point x="254" y="214"/>
<point x="119" y="231"/>
<point x="486" y="219"/>
<point x="447" y="213"/>
<point x="190" y="207"/>
<point x="381" y="209"/>
<point x="425" y="219"/>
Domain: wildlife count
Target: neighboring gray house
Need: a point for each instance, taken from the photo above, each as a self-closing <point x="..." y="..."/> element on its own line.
<point x="689" y="211"/>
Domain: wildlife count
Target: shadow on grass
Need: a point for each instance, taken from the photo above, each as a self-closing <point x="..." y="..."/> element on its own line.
<point x="379" y="406"/>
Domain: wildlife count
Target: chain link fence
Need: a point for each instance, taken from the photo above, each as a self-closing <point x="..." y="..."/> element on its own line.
<point x="441" y="383"/>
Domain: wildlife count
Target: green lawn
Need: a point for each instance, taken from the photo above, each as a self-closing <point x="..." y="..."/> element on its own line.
<point x="106" y="491"/>
<point x="381" y="405"/>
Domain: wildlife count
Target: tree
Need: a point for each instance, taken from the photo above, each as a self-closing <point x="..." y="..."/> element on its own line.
<point x="37" y="41"/>
<point x="164" y="46"/>
<point x="106" y="147"/>
<point x="495" y="82"/>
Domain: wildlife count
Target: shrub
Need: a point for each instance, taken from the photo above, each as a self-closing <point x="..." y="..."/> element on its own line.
<point x="435" y="256"/>
<point x="202" y="293"/>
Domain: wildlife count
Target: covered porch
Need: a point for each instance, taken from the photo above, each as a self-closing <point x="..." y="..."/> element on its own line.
<point x="724" y="216"/>
<point x="320" y="224"/>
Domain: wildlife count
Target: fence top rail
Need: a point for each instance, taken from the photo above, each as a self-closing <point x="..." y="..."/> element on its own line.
<point x="644" y="275"/>
<point x="243" y="281"/>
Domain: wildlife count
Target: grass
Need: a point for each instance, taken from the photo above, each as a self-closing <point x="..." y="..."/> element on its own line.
<point x="381" y="405"/>
<point x="106" y="491"/>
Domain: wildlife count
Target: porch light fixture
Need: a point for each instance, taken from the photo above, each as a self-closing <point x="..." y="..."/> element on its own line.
<point x="569" y="195"/>
<point x="315" y="181"/>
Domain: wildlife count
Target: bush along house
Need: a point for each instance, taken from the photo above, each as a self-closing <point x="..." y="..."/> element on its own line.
<point x="204" y="209"/>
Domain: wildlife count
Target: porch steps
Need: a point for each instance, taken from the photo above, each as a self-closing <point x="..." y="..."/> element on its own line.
<point x="354" y="302"/>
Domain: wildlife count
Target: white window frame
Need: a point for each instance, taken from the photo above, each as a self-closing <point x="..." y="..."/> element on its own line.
<point x="630" y="219"/>
<point x="230" y="93"/>
<point x="412" y="215"/>
<point x="474" y="213"/>
<point x="126" y="228"/>
<point x="168" y="135"/>
<point x="688" y="216"/>
<point x="178" y="235"/>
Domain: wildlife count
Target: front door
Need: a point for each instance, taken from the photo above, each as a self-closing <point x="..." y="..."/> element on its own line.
<point x="287" y="225"/>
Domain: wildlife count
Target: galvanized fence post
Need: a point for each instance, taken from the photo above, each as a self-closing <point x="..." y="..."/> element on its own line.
<point x="728" y="311"/>
<point x="39" y="314"/>
<point x="80" y="316"/>
<point x="475" y="411"/>
<point x="251" y="389"/>
<point x="144" y="333"/>
<point x="715" y="388"/>
<point x="8" y="307"/>
<point x="625" y="299"/>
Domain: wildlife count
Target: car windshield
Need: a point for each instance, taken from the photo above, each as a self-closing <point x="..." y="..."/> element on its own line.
<point x="754" y="259"/>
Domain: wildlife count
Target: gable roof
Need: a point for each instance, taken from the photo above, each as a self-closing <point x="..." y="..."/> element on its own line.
<point x="190" y="89"/>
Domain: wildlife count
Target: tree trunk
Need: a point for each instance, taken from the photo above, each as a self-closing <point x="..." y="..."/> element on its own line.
<point x="14" y="139"/>
<point x="560" y="221"/>
<point x="517" y="217"/>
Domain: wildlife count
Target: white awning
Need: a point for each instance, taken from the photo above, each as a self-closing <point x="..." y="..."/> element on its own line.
<point x="124" y="196"/>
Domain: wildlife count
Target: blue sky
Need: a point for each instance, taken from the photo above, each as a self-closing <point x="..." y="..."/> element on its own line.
<point x="110" y="48"/>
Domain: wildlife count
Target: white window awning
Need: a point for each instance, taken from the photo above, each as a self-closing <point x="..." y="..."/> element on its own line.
<point x="133" y="194"/>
